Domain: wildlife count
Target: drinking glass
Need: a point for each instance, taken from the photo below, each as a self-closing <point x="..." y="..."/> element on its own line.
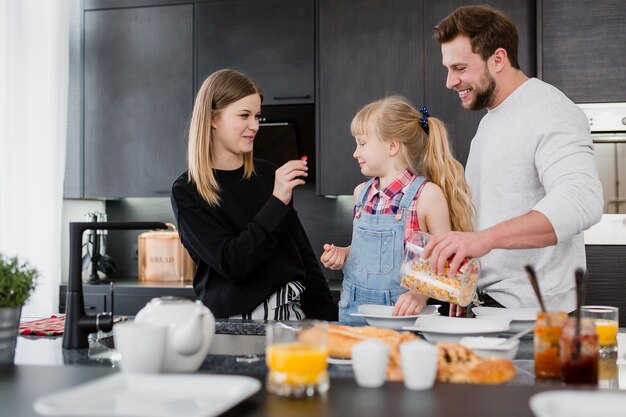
<point x="606" y="319"/>
<point x="548" y="328"/>
<point x="296" y="356"/>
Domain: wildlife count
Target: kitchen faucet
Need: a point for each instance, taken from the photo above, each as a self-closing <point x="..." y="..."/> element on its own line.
<point x="79" y="324"/>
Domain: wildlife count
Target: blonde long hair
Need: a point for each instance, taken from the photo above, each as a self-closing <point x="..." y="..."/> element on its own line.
<point x="394" y="117"/>
<point x="220" y="89"/>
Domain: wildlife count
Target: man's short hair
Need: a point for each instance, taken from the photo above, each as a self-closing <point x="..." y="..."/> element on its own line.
<point x="487" y="29"/>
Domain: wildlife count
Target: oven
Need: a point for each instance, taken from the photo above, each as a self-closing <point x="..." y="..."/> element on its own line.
<point x="608" y="132"/>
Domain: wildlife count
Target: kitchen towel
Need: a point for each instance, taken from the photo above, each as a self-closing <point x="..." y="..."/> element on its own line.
<point x="52" y="326"/>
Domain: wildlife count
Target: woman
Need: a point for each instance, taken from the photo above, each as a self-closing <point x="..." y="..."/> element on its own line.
<point x="235" y="215"/>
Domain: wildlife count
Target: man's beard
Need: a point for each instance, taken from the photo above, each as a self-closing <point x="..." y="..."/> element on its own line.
<point x="484" y="97"/>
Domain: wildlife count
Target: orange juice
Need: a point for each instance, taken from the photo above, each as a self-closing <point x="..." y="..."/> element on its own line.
<point x="296" y="363"/>
<point x="607" y="332"/>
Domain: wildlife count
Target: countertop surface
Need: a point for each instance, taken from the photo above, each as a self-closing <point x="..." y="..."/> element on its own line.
<point x="611" y="230"/>
<point x="42" y="366"/>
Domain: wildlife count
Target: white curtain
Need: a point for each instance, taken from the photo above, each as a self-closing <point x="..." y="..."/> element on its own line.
<point x="33" y="114"/>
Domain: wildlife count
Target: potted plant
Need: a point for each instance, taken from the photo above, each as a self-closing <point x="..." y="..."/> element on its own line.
<point x="17" y="282"/>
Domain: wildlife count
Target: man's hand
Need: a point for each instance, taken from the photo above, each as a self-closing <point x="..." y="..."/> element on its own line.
<point x="455" y="246"/>
<point x="334" y="257"/>
<point x="409" y="303"/>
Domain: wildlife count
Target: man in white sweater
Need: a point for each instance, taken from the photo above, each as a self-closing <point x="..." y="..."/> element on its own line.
<point x="531" y="168"/>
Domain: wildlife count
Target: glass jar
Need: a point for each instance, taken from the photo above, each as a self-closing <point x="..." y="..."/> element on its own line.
<point x="579" y="353"/>
<point x="548" y="328"/>
<point x="417" y="275"/>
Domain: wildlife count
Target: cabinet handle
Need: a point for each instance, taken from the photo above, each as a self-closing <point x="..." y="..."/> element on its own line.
<point x="292" y="97"/>
<point x="162" y="191"/>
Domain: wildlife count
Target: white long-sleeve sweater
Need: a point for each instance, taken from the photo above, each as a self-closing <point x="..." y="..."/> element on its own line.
<point x="534" y="152"/>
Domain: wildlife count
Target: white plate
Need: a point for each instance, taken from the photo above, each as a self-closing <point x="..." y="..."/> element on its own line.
<point x="380" y="316"/>
<point x="163" y="395"/>
<point x="521" y="318"/>
<point x="578" y="403"/>
<point x="453" y="329"/>
<point x="339" y="361"/>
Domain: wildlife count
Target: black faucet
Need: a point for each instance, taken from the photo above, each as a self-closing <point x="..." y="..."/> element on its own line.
<point x="78" y="324"/>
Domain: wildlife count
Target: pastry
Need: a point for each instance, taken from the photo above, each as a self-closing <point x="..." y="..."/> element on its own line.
<point x="459" y="364"/>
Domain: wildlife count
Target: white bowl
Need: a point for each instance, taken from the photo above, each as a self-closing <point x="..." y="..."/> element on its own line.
<point x="380" y="316"/>
<point x="521" y="318"/>
<point x="453" y="329"/>
<point x="492" y="346"/>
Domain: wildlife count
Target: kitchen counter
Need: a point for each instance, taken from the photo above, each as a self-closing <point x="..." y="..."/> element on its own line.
<point x="42" y="366"/>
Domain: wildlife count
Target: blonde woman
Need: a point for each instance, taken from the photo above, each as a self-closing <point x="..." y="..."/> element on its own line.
<point x="416" y="185"/>
<point x="235" y="215"/>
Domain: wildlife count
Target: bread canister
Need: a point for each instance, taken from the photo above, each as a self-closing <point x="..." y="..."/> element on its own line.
<point x="162" y="257"/>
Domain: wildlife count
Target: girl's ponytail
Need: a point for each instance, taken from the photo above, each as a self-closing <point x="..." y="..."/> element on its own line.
<point x="439" y="165"/>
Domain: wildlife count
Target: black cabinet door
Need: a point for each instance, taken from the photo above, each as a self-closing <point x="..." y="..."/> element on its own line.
<point x="444" y="103"/>
<point x="584" y="49"/>
<point x="272" y="41"/>
<point x="138" y="94"/>
<point x="367" y="49"/>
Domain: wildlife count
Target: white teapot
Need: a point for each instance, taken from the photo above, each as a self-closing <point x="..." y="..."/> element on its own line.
<point x="190" y="328"/>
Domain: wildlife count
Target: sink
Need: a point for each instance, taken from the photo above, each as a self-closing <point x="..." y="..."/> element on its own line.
<point x="221" y="344"/>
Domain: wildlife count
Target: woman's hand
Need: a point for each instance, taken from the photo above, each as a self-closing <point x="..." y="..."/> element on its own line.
<point x="409" y="303"/>
<point x="287" y="178"/>
<point x="334" y="257"/>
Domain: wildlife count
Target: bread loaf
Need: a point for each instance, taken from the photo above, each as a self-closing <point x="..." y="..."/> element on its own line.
<point x="459" y="364"/>
<point x="342" y="338"/>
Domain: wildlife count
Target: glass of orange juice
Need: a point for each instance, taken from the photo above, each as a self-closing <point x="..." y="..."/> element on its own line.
<point x="296" y="354"/>
<point x="606" y="319"/>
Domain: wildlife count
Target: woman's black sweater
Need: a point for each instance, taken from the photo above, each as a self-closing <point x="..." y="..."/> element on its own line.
<point x="249" y="246"/>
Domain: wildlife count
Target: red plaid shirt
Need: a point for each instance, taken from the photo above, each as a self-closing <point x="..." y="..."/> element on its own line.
<point x="387" y="201"/>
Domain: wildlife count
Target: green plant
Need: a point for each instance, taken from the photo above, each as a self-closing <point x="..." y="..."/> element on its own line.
<point x="17" y="281"/>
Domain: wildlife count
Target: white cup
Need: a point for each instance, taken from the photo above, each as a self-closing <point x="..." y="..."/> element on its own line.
<point x="142" y="346"/>
<point x="369" y="362"/>
<point x="419" y="364"/>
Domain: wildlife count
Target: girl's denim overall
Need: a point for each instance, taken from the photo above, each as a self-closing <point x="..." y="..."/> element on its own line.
<point x="373" y="269"/>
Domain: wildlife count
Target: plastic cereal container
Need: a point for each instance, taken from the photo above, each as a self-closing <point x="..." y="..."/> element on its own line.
<point x="417" y="275"/>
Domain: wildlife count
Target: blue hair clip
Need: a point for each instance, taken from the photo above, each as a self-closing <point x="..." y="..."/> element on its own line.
<point x="424" y="119"/>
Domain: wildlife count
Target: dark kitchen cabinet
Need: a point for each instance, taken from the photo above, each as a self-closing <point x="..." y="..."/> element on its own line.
<point x="584" y="49"/>
<point x="273" y="41"/>
<point x="369" y="49"/>
<point x="137" y="98"/>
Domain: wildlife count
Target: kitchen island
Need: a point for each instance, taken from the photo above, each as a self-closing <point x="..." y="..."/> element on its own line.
<point x="43" y="367"/>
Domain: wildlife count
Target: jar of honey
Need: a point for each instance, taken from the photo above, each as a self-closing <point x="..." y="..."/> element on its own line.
<point x="548" y="328"/>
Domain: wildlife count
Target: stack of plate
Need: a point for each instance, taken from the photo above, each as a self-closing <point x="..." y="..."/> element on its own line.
<point x="380" y="316"/>
<point x="521" y="318"/>
<point x="453" y="329"/>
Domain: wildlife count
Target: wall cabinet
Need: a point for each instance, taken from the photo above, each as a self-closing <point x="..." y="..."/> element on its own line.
<point x="135" y="66"/>
<point x="583" y="49"/>
<point x="138" y="94"/>
<point x="272" y="41"/>
<point x="369" y="49"/>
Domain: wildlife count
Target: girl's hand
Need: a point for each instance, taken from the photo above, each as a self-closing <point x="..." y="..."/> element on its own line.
<point x="457" y="311"/>
<point x="334" y="257"/>
<point x="409" y="303"/>
<point x="288" y="178"/>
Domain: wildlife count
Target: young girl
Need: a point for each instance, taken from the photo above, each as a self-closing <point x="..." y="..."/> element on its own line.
<point x="416" y="185"/>
<point x="235" y="216"/>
